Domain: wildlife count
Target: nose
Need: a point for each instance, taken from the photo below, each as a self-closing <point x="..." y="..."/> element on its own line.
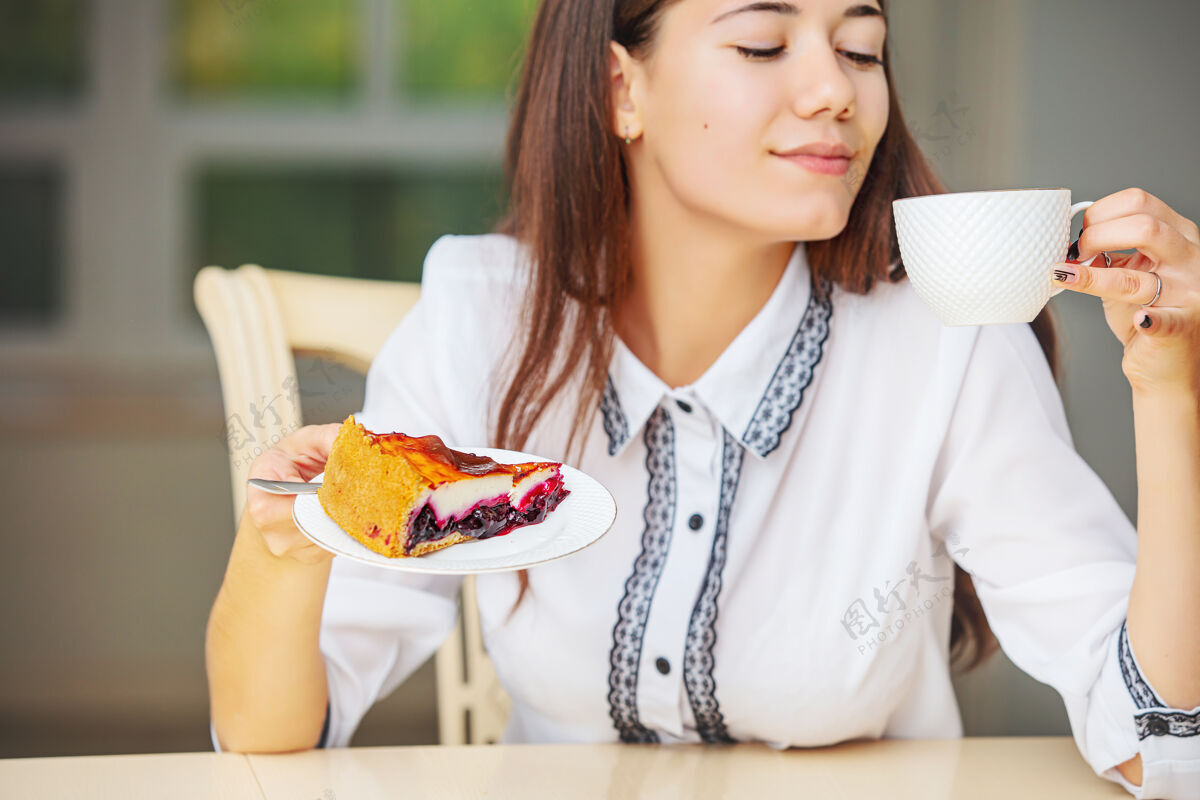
<point x="821" y="84"/>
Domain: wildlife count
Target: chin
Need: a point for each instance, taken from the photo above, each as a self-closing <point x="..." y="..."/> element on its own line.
<point x="827" y="232"/>
<point x="806" y="224"/>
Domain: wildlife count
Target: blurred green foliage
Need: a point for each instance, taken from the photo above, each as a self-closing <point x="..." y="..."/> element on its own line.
<point x="357" y="221"/>
<point x="30" y="241"/>
<point x="267" y="49"/>
<point x="465" y="49"/>
<point x="461" y="47"/>
<point x="42" y="49"/>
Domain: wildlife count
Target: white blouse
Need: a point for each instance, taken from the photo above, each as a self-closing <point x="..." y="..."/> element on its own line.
<point x="781" y="565"/>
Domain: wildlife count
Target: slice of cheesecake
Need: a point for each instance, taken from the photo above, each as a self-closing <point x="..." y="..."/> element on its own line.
<point x="410" y="495"/>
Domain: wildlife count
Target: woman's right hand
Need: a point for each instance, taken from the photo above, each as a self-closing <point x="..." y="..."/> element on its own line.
<point x="299" y="456"/>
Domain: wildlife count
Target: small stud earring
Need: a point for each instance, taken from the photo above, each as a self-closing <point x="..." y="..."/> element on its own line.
<point x="627" y="139"/>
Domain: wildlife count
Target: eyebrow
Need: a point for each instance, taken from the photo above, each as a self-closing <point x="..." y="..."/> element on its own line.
<point x="790" y="10"/>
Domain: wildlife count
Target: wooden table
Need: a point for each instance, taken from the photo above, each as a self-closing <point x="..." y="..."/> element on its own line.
<point x="974" y="769"/>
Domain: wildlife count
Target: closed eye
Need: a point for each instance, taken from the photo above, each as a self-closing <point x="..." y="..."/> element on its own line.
<point x="863" y="58"/>
<point x="756" y="54"/>
<point x="760" y="54"/>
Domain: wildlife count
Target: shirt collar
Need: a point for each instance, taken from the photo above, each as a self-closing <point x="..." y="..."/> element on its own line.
<point x="757" y="383"/>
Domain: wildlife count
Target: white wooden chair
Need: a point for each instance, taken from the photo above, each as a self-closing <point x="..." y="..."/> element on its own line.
<point x="259" y="320"/>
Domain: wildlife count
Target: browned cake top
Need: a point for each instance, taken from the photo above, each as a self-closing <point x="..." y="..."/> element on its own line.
<point x="439" y="464"/>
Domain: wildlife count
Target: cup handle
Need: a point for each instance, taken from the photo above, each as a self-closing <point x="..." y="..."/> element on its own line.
<point x="1075" y="209"/>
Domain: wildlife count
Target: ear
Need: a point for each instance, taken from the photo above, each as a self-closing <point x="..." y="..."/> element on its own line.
<point x="625" y="74"/>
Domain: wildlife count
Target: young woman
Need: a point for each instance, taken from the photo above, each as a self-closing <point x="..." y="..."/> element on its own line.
<point x="697" y="299"/>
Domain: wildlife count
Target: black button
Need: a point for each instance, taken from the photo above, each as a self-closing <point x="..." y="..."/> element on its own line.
<point x="1158" y="726"/>
<point x="663" y="665"/>
<point x="683" y="406"/>
<point x="695" y="522"/>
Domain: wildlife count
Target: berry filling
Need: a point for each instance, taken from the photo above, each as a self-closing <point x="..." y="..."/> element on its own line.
<point x="486" y="521"/>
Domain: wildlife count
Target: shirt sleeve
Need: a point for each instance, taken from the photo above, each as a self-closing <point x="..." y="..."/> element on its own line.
<point x="1052" y="556"/>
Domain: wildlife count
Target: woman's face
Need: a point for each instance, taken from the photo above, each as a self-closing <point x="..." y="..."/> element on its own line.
<point x="732" y="88"/>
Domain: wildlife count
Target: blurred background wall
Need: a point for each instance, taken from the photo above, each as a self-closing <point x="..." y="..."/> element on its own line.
<point x="141" y="140"/>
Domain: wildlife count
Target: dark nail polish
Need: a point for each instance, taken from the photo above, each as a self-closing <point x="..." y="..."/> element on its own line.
<point x="1073" y="251"/>
<point x="1147" y="322"/>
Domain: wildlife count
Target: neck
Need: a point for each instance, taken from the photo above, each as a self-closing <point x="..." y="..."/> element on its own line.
<point x="696" y="285"/>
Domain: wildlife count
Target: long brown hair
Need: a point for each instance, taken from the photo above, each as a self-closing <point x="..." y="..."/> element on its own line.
<point x="569" y="206"/>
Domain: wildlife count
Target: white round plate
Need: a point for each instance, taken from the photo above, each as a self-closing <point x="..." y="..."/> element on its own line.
<point x="580" y="519"/>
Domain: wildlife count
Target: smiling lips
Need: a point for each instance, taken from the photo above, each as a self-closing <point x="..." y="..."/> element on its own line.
<point x="820" y="157"/>
<point x="820" y="164"/>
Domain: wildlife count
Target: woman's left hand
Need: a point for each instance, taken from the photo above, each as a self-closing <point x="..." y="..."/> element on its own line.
<point x="1164" y="354"/>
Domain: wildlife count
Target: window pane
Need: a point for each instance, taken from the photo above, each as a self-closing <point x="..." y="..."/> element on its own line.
<point x="264" y="48"/>
<point x="41" y="49"/>
<point x="461" y="48"/>
<point x="359" y="222"/>
<point x="30" y="202"/>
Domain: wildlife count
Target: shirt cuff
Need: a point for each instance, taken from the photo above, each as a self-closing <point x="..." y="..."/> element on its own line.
<point x="1168" y="739"/>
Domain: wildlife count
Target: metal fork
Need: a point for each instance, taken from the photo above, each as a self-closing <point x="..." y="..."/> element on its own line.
<point x="284" y="487"/>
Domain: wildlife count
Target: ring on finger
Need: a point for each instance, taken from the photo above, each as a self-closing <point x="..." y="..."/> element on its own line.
<point x="1158" y="293"/>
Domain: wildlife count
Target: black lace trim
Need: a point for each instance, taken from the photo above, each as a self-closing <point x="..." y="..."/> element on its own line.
<point x="615" y="423"/>
<point x="1167" y="723"/>
<point x="634" y="608"/>
<point x="1143" y="695"/>
<point x="792" y="376"/>
<point x="702" y="630"/>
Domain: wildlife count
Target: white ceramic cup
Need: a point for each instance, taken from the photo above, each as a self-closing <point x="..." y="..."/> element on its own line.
<point x="983" y="258"/>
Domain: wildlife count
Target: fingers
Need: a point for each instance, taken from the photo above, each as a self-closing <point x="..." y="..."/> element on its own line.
<point x="1120" y="260"/>
<point x="1149" y="234"/>
<point x="310" y="442"/>
<point x="311" y="450"/>
<point x="1111" y="283"/>
<point x="1165" y="322"/>
<point x="299" y="456"/>
<point x="272" y="517"/>
<point x="1132" y="202"/>
<point x="268" y="511"/>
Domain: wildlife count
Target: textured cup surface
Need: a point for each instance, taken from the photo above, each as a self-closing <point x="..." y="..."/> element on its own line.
<point x="980" y="258"/>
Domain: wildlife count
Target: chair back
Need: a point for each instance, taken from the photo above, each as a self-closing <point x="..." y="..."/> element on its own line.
<point x="259" y="320"/>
